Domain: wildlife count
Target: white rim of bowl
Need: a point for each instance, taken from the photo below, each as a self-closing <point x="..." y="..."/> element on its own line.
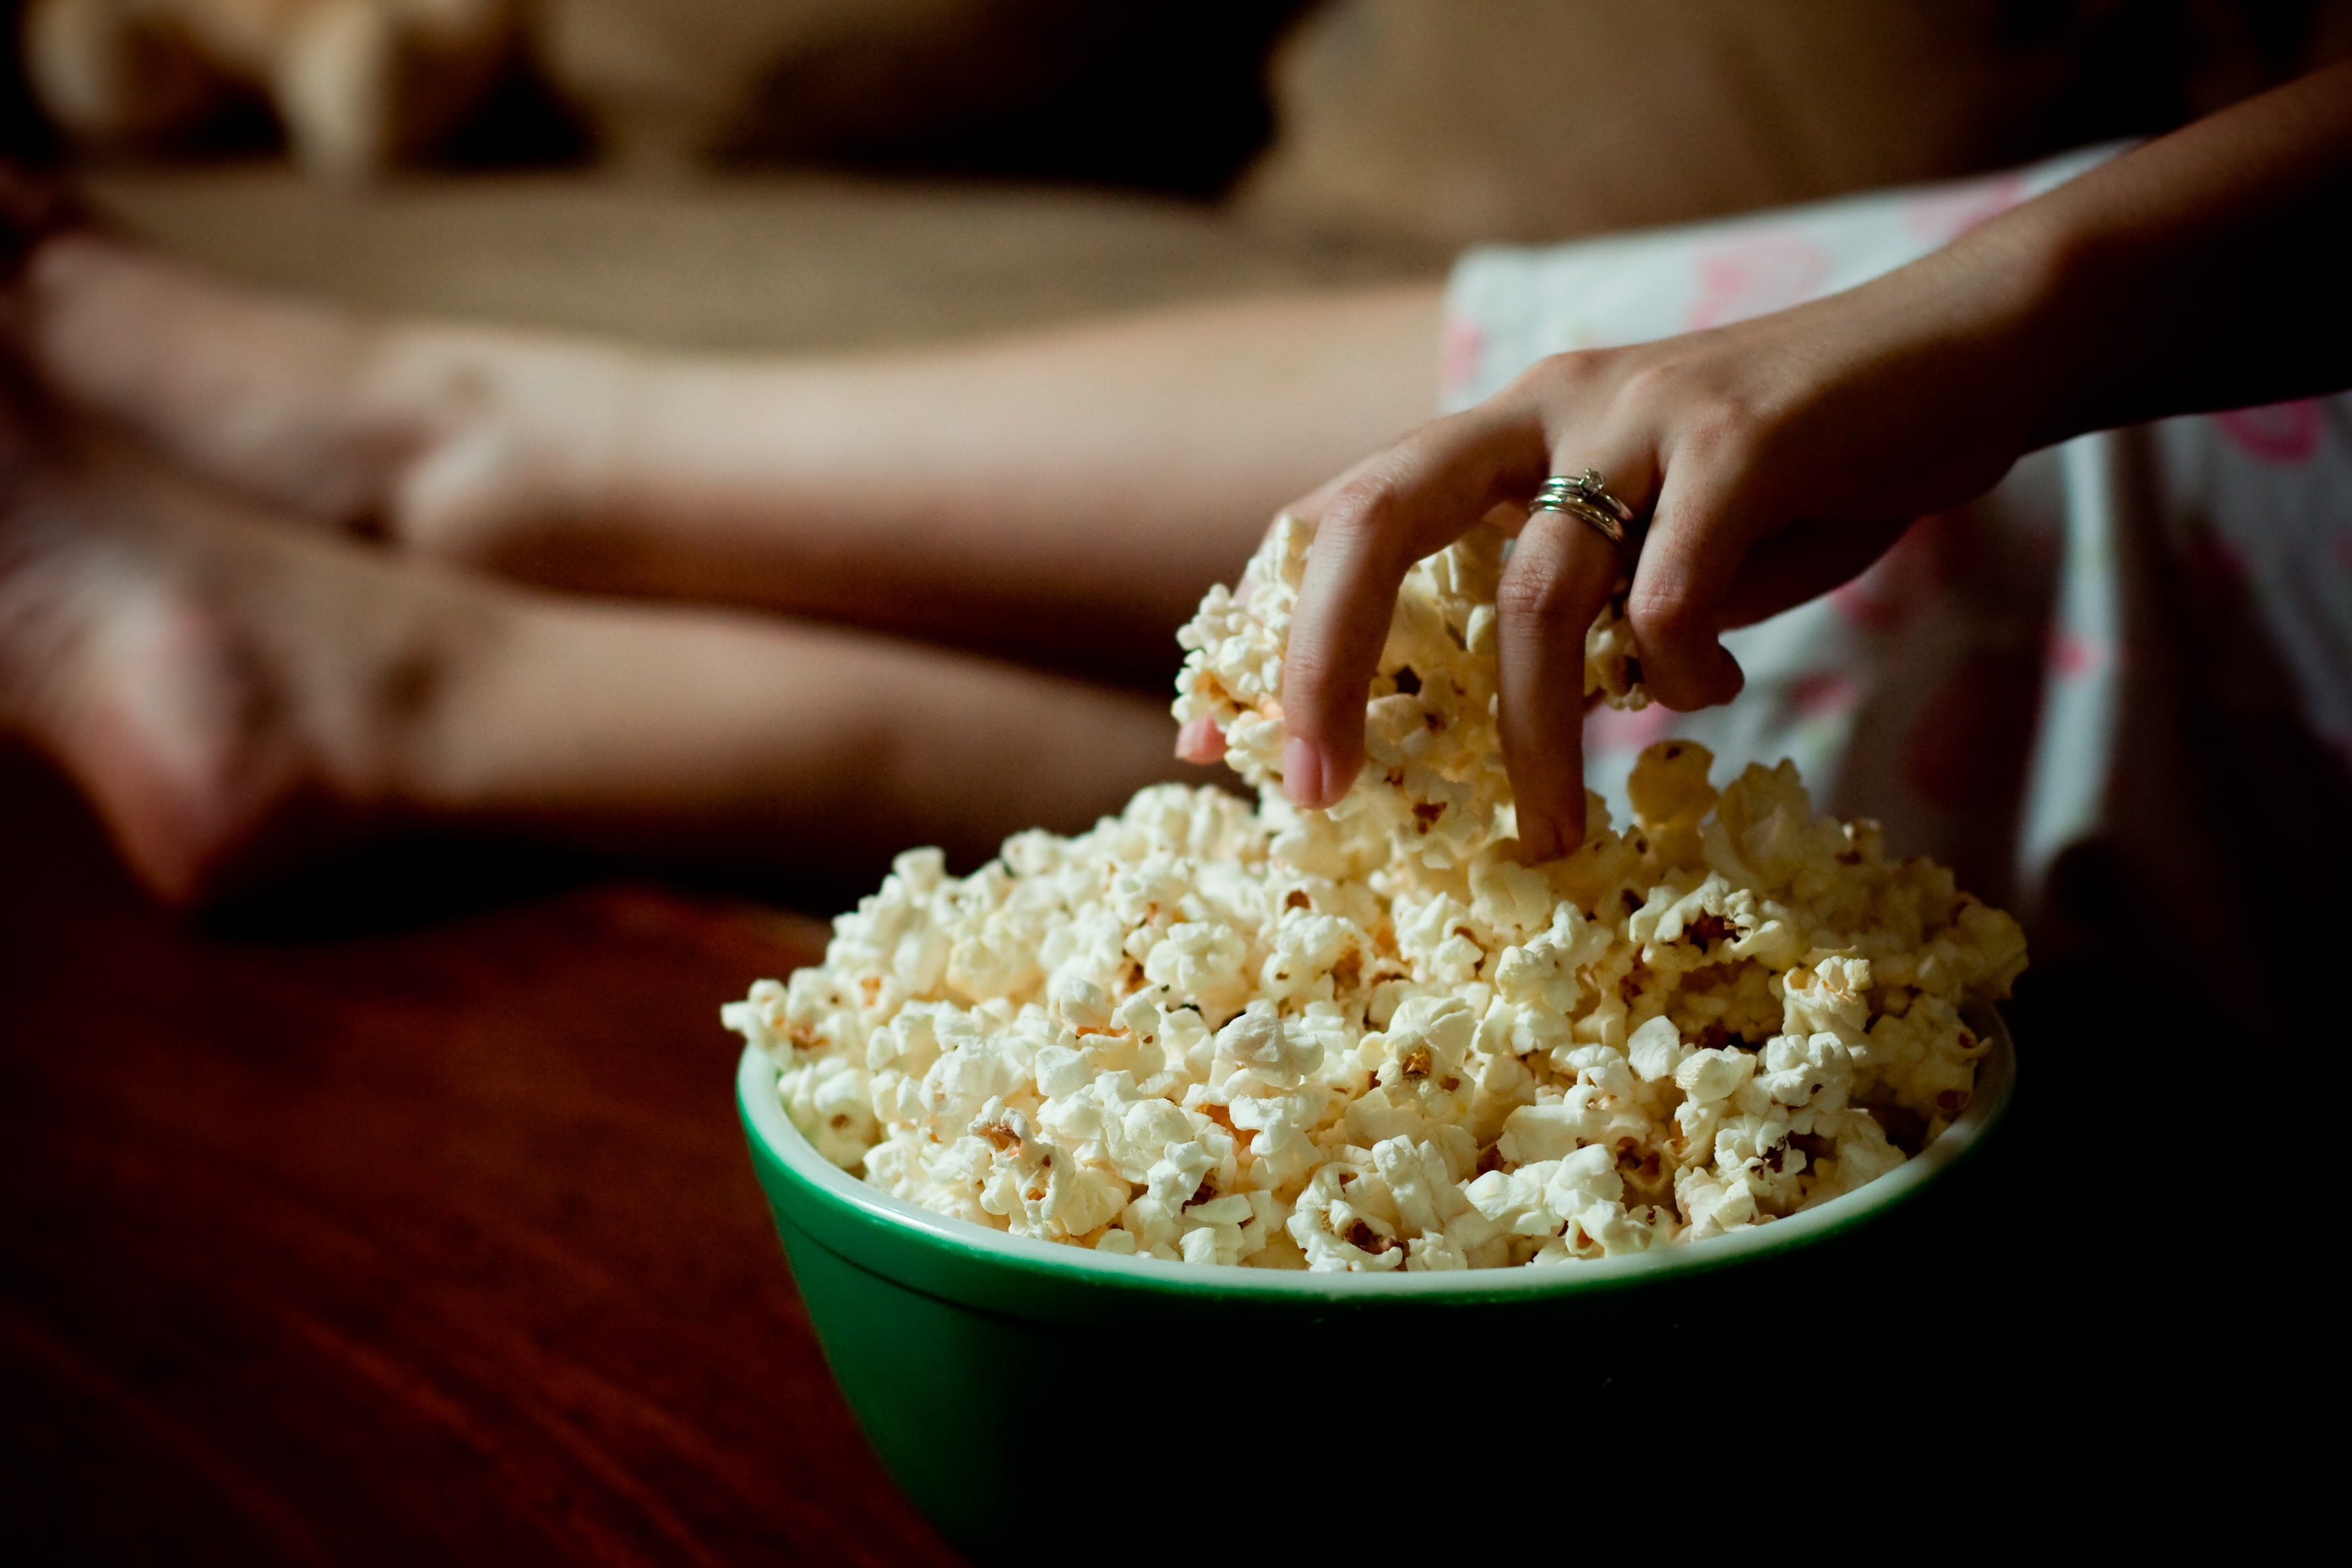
<point x="755" y="1083"/>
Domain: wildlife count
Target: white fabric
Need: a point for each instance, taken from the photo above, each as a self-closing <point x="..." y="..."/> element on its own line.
<point x="2027" y="673"/>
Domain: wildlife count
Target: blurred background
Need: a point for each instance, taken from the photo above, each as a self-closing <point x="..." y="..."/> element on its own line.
<point x="780" y="173"/>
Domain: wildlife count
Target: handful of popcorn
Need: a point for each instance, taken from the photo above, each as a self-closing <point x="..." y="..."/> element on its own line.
<point x="1370" y="1038"/>
<point x="1435" y="789"/>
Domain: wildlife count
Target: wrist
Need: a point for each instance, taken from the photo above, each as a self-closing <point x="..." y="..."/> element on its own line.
<point x="2049" y="367"/>
<point x="2012" y="284"/>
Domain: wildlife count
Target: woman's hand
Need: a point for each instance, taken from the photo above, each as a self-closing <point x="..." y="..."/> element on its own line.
<point x="1781" y="454"/>
<point x="1777" y="457"/>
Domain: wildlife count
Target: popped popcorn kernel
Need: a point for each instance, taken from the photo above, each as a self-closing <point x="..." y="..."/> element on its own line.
<point x="1374" y="1038"/>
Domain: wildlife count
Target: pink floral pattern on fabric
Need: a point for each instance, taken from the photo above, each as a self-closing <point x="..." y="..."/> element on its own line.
<point x="1824" y="694"/>
<point x="1976" y="688"/>
<point x="1755" y="274"/>
<point x="2073" y="657"/>
<point x="1966" y="749"/>
<point x="2275" y="433"/>
<point x="1460" y="347"/>
<point x="2213" y="559"/>
<point x="1901" y="582"/>
<point x="1619" y="730"/>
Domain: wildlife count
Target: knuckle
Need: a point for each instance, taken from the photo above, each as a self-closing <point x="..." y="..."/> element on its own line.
<point x="1307" y="671"/>
<point x="1568" y="373"/>
<point x="1368" y="511"/>
<point x="1543" y="595"/>
<point x="1668" y="611"/>
<point x="1654" y="386"/>
<point x="1723" y="432"/>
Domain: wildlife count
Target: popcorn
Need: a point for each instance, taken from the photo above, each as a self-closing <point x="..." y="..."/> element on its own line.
<point x="1433" y="780"/>
<point x="1372" y="1038"/>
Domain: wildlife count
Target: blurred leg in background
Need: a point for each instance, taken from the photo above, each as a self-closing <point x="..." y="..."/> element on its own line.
<point x="238" y="693"/>
<point x="251" y="547"/>
<point x="1065" y="496"/>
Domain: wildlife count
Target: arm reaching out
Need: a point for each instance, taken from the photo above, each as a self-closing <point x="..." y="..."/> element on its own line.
<point x="1779" y="455"/>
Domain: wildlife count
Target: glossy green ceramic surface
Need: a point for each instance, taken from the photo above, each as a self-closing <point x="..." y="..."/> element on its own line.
<point x="984" y="1366"/>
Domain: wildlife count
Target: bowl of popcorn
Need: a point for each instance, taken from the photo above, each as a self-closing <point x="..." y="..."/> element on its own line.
<point x="1194" y="1123"/>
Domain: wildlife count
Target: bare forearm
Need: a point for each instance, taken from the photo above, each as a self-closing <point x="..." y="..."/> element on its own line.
<point x="1776" y="455"/>
<point x="2208" y="269"/>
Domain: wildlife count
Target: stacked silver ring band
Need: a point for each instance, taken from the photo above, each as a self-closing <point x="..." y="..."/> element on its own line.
<point x="1586" y="497"/>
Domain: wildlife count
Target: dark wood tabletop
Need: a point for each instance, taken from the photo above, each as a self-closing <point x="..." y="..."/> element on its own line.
<point x="436" y="1242"/>
<point x="433" y="1237"/>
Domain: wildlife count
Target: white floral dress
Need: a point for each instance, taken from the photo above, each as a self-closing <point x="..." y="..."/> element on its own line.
<point x="2141" y="641"/>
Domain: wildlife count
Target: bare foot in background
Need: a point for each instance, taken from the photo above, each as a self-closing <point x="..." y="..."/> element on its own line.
<point x="224" y="692"/>
<point x="434" y="437"/>
<point x="238" y="696"/>
<point x="1063" y="496"/>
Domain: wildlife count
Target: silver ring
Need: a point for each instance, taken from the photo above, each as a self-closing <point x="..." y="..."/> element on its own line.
<point x="1586" y="496"/>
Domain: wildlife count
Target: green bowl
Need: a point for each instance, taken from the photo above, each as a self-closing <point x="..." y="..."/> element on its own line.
<point x="1019" y="1391"/>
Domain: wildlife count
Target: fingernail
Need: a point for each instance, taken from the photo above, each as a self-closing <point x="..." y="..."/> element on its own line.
<point x="1200" y="740"/>
<point x="1548" y="838"/>
<point x="1302" y="772"/>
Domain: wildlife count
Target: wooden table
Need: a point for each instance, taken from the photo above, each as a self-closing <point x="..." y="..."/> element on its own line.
<point x="436" y="1244"/>
<point x="440" y="1244"/>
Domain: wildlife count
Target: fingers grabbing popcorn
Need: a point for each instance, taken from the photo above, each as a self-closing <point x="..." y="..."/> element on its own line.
<point x="1371" y="1038"/>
